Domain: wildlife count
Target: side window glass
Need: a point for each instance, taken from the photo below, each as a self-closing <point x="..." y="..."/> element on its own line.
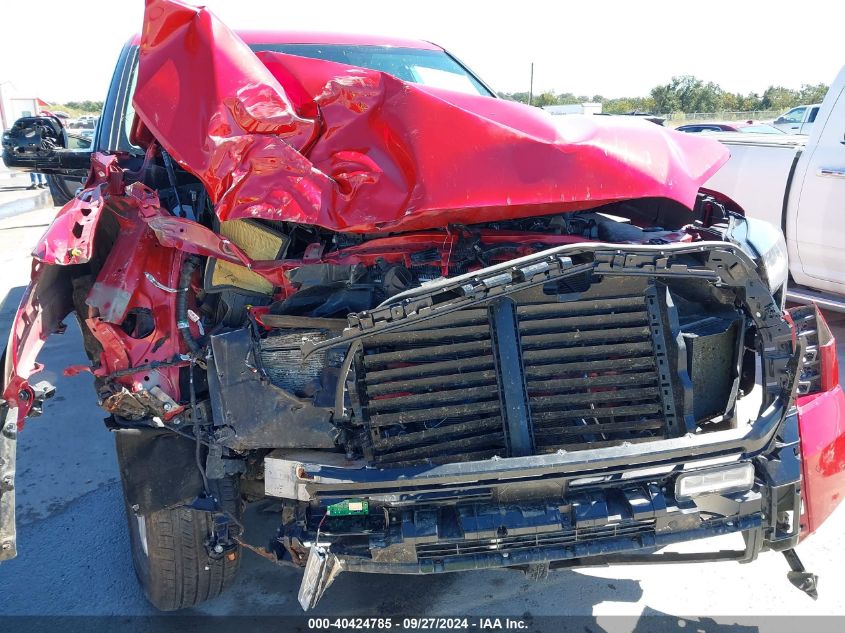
<point x="813" y="113"/>
<point x="796" y="115"/>
<point x="129" y="112"/>
<point x="74" y="141"/>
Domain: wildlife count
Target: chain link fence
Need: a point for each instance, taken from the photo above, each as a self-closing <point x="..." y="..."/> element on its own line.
<point x="688" y="117"/>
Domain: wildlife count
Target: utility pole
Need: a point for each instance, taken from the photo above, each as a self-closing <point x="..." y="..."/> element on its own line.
<point x="531" y="85"/>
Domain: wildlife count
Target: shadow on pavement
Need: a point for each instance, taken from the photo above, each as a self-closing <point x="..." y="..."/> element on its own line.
<point x="265" y="589"/>
<point x="8" y="307"/>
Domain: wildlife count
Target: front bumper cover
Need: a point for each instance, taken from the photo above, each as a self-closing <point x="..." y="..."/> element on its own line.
<point x="536" y="517"/>
<point x="564" y="509"/>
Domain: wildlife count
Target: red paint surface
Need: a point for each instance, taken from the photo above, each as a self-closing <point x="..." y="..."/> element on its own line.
<point x="377" y="153"/>
<point x="821" y="422"/>
<point x="29" y="332"/>
<point x="323" y="37"/>
<point x="70" y="237"/>
<point x="122" y="284"/>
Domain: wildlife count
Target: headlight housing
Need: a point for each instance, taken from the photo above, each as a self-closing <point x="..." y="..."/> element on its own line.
<point x="771" y="254"/>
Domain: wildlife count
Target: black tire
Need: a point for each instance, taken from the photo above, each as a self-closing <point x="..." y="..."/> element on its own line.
<point x="61" y="189"/>
<point x="170" y="557"/>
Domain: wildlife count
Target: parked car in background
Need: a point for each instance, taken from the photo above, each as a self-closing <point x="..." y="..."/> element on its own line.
<point x="441" y="331"/>
<point x="797" y="183"/>
<point x="645" y="116"/>
<point x="749" y="127"/>
<point x="798" y="120"/>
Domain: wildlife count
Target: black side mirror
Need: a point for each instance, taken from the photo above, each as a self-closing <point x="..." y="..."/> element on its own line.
<point x="41" y="144"/>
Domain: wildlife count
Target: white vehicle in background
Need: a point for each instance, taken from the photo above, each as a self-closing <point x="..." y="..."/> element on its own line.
<point x="798" y="120"/>
<point x="798" y="184"/>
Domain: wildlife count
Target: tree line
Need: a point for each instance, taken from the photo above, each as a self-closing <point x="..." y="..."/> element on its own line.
<point x="686" y="93"/>
<point x="75" y="108"/>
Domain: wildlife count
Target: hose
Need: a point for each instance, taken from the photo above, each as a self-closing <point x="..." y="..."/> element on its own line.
<point x="189" y="266"/>
<point x="196" y="425"/>
<point x="171" y="176"/>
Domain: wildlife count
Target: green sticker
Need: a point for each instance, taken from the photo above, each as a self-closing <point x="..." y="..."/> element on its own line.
<point x="348" y="507"/>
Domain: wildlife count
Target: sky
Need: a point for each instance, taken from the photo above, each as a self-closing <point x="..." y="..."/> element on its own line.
<point x="611" y="48"/>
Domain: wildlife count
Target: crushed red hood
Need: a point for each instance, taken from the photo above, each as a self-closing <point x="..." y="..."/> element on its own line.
<point x="282" y="137"/>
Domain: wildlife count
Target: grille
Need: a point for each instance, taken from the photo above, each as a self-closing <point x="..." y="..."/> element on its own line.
<point x="431" y="393"/>
<point x="562" y="538"/>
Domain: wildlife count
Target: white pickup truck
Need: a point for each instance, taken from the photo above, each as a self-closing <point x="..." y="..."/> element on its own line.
<point x="798" y="184"/>
<point x="798" y="120"/>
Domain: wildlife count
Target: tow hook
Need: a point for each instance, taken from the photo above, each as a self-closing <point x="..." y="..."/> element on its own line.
<point x="799" y="576"/>
<point x="220" y="541"/>
<point x="42" y="391"/>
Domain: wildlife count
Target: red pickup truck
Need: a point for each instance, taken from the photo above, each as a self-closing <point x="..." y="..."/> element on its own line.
<point x="442" y="330"/>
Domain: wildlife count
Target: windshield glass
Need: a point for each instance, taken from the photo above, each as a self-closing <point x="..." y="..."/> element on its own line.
<point x="426" y="67"/>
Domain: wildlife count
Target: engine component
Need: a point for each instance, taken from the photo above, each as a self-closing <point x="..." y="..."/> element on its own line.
<point x="712" y="354"/>
<point x="256" y="240"/>
<point x="259" y="413"/>
<point x="281" y="360"/>
<point x="189" y="266"/>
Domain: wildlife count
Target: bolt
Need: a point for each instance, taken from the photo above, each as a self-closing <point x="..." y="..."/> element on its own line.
<point x="7" y="545"/>
<point x="218" y="548"/>
<point x="10" y="428"/>
<point x="9" y="481"/>
<point x="135" y="508"/>
<point x="167" y="406"/>
<point x="23" y="394"/>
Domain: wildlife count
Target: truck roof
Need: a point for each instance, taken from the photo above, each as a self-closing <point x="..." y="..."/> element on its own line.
<point x="316" y="37"/>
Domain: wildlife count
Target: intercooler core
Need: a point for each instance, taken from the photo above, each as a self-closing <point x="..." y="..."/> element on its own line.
<point x="553" y="367"/>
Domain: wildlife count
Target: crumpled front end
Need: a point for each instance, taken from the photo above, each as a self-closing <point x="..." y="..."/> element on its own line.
<point x="541" y="346"/>
<point x="587" y="404"/>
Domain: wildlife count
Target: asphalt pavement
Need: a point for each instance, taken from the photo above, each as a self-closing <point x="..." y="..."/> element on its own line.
<point x="15" y="195"/>
<point x="74" y="553"/>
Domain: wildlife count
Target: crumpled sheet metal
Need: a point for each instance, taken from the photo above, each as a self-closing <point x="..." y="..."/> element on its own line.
<point x="282" y="137"/>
